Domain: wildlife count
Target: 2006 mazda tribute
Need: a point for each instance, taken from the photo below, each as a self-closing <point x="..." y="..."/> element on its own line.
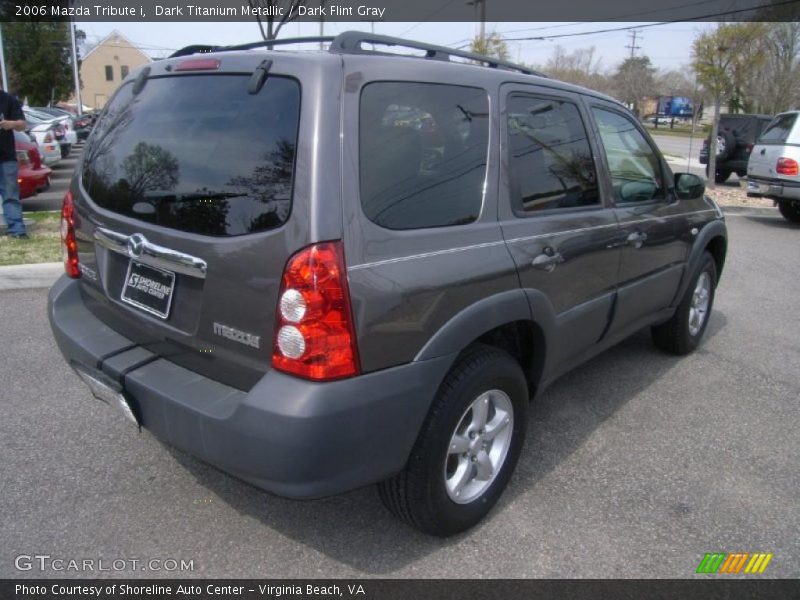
<point x="324" y="270"/>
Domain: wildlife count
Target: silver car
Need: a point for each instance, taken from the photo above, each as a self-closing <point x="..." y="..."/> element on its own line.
<point x="773" y="170"/>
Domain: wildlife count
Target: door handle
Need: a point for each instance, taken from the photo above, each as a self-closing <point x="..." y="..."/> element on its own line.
<point x="547" y="260"/>
<point x="636" y="239"/>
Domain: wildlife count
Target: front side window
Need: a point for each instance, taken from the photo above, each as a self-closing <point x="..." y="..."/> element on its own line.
<point x="777" y="132"/>
<point x="197" y="153"/>
<point x="633" y="165"/>
<point x="422" y="153"/>
<point x="551" y="162"/>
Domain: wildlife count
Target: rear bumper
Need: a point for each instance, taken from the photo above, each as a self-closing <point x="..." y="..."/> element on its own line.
<point x="293" y="437"/>
<point x="773" y="188"/>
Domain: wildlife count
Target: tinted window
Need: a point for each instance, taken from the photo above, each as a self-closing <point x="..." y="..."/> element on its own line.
<point x="551" y="162"/>
<point x="423" y="151"/>
<point x="779" y="129"/>
<point x="634" y="166"/>
<point x="197" y="153"/>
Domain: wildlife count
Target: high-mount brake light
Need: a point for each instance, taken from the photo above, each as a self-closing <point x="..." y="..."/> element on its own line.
<point x="314" y="331"/>
<point x="198" y="64"/>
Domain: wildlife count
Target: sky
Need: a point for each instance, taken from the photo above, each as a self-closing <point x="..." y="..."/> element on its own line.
<point x="668" y="46"/>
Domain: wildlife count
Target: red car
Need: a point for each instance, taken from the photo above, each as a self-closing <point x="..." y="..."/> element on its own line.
<point x="33" y="177"/>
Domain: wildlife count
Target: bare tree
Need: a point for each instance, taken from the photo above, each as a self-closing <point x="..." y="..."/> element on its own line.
<point x="775" y="86"/>
<point x="634" y="80"/>
<point x="581" y="67"/>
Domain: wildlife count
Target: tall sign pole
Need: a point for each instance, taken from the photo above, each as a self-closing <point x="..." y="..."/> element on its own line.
<point x="3" y="60"/>
<point x="79" y="108"/>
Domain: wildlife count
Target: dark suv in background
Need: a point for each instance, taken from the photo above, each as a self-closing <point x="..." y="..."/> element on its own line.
<point x="735" y="140"/>
<point x="324" y="270"/>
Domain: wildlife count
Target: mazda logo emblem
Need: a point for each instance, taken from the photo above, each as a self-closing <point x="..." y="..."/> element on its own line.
<point x="136" y="244"/>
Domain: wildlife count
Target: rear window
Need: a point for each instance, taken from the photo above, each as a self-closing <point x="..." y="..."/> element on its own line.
<point x="197" y="153"/>
<point x="423" y="150"/>
<point x="779" y="129"/>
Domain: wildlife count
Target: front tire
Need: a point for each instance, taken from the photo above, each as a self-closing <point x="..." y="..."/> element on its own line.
<point x="682" y="333"/>
<point x="467" y="448"/>
<point x="790" y="210"/>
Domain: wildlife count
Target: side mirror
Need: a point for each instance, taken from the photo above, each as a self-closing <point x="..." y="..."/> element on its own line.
<point x="689" y="186"/>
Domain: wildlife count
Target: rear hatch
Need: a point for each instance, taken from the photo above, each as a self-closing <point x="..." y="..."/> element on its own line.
<point x="183" y="199"/>
<point x="771" y="146"/>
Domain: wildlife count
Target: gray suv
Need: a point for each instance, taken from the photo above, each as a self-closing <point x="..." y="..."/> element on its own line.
<point x="322" y="270"/>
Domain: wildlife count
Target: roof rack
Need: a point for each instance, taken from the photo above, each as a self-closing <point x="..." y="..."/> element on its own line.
<point x="352" y="42"/>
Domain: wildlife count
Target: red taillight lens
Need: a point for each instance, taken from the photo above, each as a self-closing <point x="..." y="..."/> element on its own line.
<point x="69" y="246"/>
<point x="786" y="166"/>
<point x="35" y="158"/>
<point x="314" y="333"/>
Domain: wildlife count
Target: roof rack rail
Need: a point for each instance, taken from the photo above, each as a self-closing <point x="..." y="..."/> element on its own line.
<point x="352" y="42"/>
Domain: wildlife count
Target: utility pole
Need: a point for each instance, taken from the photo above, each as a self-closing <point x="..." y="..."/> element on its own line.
<point x="3" y="61"/>
<point x="633" y="45"/>
<point x="482" y="4"/>
<point x="79" y="107"/>
<point x="321" y="24"/>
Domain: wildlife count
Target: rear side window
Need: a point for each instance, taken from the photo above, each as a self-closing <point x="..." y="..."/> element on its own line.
<point x="778" y="131"/>
<point x="551" y="161"/>
<point x="423" y="150"/>
<point x="198" y="153"/>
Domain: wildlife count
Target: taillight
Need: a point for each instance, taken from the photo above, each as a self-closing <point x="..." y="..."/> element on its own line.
<point x="786" y="166"/>
<point x="69" y="246"/>
<point x="314" y="333"/>
<point x="35" y="158"/>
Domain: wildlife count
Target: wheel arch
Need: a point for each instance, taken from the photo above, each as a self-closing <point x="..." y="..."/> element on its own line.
<point x="713" y="238"/>
<point x="505" y="321"/>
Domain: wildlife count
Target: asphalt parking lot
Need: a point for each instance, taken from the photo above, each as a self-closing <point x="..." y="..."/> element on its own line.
<point x="636" y="464"/>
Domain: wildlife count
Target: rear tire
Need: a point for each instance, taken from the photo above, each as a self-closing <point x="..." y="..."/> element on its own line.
<point x="721" y="176"/>
<point x="682" y="333"/>
<point x="458" y="468"/>
<point x="790" y="210"/>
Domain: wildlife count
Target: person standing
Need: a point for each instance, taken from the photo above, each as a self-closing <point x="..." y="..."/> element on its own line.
<point x="11" y="119"/>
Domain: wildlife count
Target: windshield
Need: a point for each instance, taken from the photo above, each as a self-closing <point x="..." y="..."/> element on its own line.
<point x="197" y="153"/>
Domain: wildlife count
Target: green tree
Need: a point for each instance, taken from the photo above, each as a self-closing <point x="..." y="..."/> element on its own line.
<point x="39" y="60"/>
<point x="723" y="60"/>
<point x="491" y="45"/>
<point x="635" y="79"/>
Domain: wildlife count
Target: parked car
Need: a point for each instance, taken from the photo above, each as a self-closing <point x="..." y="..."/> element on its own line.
<point x="34" y="176"/>
<point x="45" y="137"/>
<point x="735" y="140"/>
<point x="773" y="170"/>
<point x="344" y="304"/>
<point x="81" y="125"/>
<point x="63" y="136"/>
